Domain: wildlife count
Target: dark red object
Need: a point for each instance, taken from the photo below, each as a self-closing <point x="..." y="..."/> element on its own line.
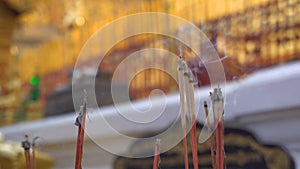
<point x="211" y="139"/>
<point x="193" y="135"/>
<point x="212" y="152"/>
<point x="156" y="155"/>
<point x="26" y="146"/>
<point x="33" y="152"/>
<point x="27" y="158"/>
<point x="80" y="122"/>
<point x="220" y="144"/>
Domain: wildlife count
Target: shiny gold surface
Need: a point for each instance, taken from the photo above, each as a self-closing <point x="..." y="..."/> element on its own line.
<point x="44" y="38"/>
<point x="73" y="22"/>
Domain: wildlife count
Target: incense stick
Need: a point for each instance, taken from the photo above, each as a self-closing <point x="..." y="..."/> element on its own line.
<point x="26" y="146"/>
<point x="33" y="152"/>
<point x="192" y="115"/>
<point x="80" y="122"/>
<point x="194" y="143"/>
<point x="183" y="109"/>
<point x="220" y="144"/>
<point x="218" y="108"/>
<point x="211" y="138"/>
<point x="219" y="149"/>
<point x="156" y="154"/>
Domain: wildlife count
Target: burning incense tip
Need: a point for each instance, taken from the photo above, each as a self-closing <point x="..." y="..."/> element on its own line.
<point x="205" y="104"/>
<point x="217" y="102"/>
<point x="180" y="64"/>
<point x="34" y="140"/>
<point x="157" y="142"/>
<point x="26" y="143"/>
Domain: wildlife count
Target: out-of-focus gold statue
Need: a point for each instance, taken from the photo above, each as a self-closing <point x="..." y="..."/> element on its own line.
<point x="12" y="156"/>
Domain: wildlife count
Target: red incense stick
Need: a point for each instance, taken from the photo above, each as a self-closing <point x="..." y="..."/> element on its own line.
<point x="193" y="135"/>
<point x="182" y="87"/>
<point x="156" y="154"/>
<point x="220" y="145"/>
<point x="33" y="152"/>
<point x="192" y="116"/>
<point x="26" y="146"/>
<point x="80" y="122"/>
<point x="218" y="108"/>
<point x="211" y="141"/>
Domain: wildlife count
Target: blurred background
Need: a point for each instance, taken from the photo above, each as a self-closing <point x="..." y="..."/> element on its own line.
<point x="40" y="41"/>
